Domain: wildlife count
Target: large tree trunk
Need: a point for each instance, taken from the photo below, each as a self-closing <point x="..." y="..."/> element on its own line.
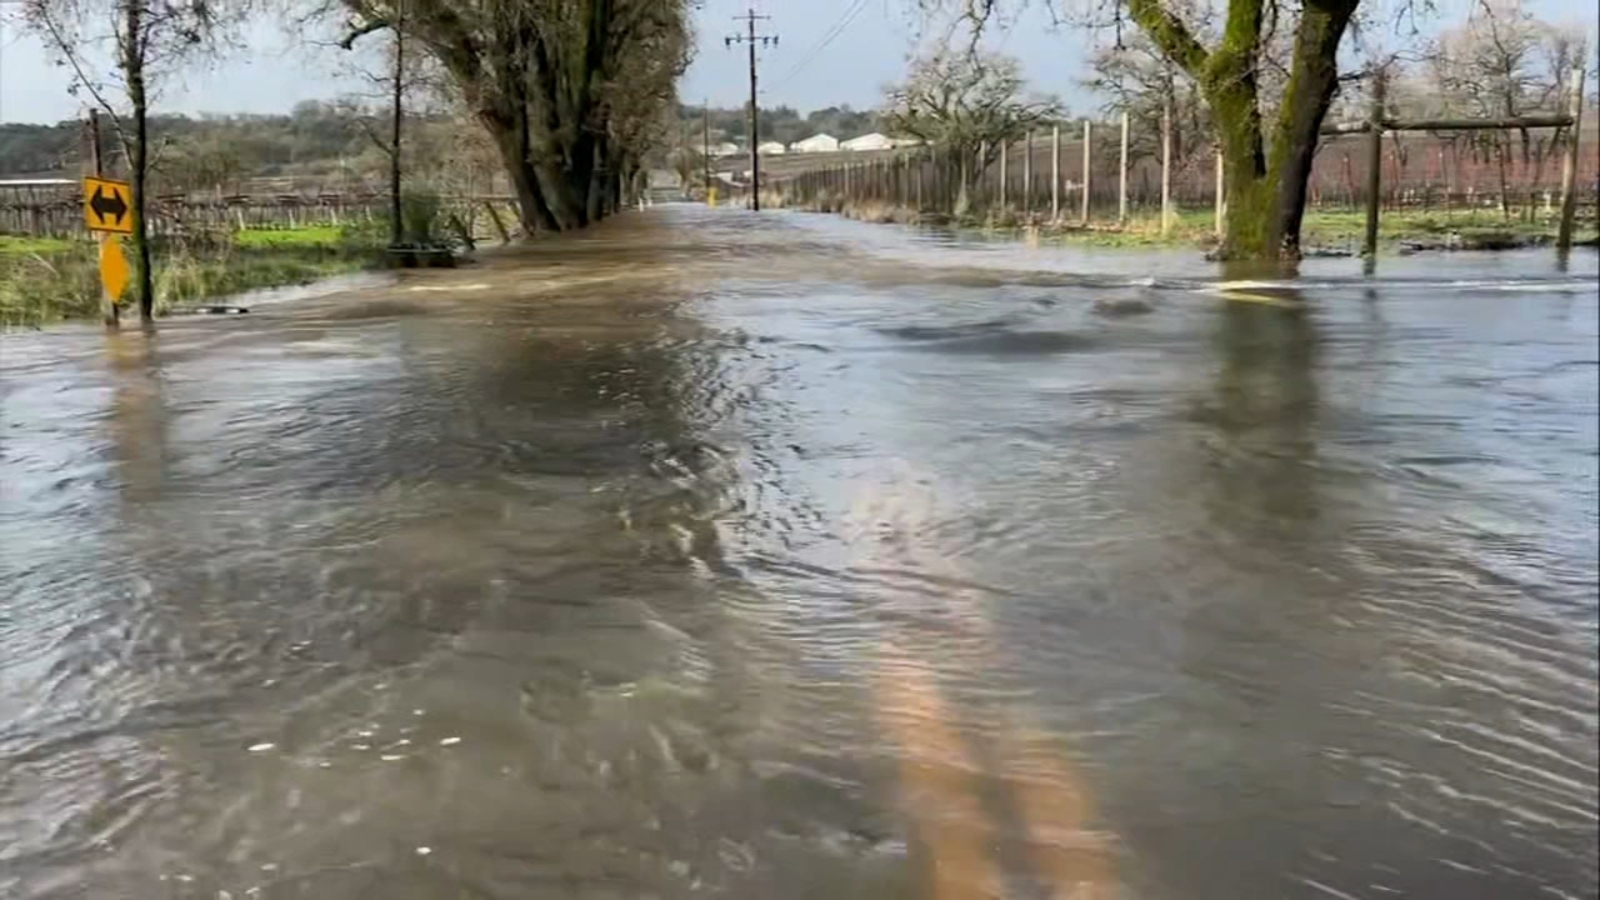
<point x="599" y="183"/>
<point x="1313" y="80"/>
<point x="396" y="220"/>
<point x="511" y="139"/>
<point x="139" y="156"/>
<point x="1266" y="194"/>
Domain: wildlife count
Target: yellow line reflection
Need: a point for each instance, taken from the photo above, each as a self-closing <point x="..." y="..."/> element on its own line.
<point x="938" y="773"/>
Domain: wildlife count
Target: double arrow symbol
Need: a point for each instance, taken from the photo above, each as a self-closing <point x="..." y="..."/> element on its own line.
<point x="105" y="206"/>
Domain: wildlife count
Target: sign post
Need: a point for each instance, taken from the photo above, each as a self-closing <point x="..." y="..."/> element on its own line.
<point x="113" y="268"/>
<point x="108" y="211"/>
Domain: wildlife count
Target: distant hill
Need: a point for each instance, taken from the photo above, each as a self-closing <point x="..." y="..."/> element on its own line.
<point x="328" y="143"/>
<point x="314" y="133"/>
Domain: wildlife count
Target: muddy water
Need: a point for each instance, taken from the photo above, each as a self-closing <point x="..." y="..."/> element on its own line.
<point x="710" y="554"/>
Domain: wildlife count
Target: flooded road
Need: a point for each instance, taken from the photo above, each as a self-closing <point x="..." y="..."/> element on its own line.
<point x="715" y="554"/>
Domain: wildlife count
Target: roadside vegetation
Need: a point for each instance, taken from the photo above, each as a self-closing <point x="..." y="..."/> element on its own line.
<point x="1325" y="231"/>
<point x="44" y="280"/>
<point x="1336" y="231"/>
<point x="570" y="98"/>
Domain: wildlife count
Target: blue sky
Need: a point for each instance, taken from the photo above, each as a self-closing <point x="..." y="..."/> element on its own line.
<point x="871" y="51"/>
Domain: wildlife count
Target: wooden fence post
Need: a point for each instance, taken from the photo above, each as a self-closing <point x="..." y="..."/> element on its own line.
<point x="1005" y="151"/>
<point x="1083" y="214"/>
<point x="979" y="179"/>
<point x="499" y="226"/>
<point x="921" y="165"/>
<point x="1027" y="176"/>
<point x="1055" y="173"/>
<point x="1122" y="179"/>
<point x="1569" y="166"/>
<point x="1166" y="167"/>
<point x="1369" y="245"/>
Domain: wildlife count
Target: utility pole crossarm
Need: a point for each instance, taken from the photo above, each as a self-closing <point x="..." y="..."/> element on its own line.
<point x="751" y="39"/>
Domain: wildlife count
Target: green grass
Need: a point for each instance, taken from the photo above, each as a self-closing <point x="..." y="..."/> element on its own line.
<point x="45" y="280"/>
<point x="312" y="236"/>
<point x="1335" y="229"/>
<point x="22" y="245"/>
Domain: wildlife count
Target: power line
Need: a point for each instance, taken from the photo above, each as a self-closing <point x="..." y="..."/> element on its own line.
<point x="827" y="38"/>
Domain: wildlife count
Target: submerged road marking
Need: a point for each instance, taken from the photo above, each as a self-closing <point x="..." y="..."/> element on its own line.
<point x="936" y="784"/>
<point x="938" y="774"/>
<point x="1255" y="292"/>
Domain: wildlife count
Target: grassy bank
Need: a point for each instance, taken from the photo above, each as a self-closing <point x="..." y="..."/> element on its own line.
<point x="1324" y="229"/>
<point x="45" y="280"/>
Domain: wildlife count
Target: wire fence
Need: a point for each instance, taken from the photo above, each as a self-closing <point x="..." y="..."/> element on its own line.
<point x="57" y="211"/>
<point x="1049" y="179"/>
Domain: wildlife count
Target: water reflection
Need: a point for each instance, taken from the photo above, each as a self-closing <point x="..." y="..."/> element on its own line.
<point x="138" y="416"/>
<point x="1265" y="403"/>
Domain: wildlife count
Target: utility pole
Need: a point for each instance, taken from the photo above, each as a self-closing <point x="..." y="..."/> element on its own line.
<point x="750" y="38"/>
<point x="705" y="142"/>
<point x="396" y="226"/>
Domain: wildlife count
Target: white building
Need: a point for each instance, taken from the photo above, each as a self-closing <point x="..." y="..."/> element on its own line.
<point x="817" y="143"/>
<point x="770" y="148"/>
<point x="724" y="149"/>
<point x="906" y="142"/>
<point x="873" y="141"/>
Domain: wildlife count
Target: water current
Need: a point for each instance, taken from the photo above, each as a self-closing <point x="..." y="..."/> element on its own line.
<point x="778" y="556"/>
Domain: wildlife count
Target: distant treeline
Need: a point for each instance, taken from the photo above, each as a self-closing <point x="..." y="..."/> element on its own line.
<point x="330" y="134"/>
<point x="780" y="123"/>
<point x="325" y="137"/>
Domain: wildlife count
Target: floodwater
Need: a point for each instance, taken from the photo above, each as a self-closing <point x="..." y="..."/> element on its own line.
<point x="778" y="556"/>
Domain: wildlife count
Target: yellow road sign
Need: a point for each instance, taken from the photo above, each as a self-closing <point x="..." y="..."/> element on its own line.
<point x="108" y="205"/>
<point x="113" y="268"/>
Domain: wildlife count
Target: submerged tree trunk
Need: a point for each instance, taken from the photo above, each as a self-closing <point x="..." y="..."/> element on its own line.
<point x="1313" y="80"/>
<point x="133" y="60"/>
<point x="551" y="83"/>
<point x="396" y="225"/>
<point x="1266" y="186"/>
<point x="511" y="140"/>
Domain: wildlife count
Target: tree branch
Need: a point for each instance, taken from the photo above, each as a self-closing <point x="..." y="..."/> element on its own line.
<point x="65" y="47"/>
<point x="359" y="31"/>
<point x="1170" y="34"/>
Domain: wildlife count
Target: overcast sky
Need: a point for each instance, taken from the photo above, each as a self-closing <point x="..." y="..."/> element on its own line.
<point x="871" y="42"/>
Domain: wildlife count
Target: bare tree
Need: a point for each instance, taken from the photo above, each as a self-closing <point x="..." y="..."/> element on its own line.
<point x="966" y="105"/>
<point x="559" y="85"/>
<point x="1137" y="79"/>
<point x="148" y="39"/>
<point x="1502" y="62"/>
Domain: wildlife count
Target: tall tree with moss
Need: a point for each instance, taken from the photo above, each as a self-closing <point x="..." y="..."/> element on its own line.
<point x="1269" y="142"/>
